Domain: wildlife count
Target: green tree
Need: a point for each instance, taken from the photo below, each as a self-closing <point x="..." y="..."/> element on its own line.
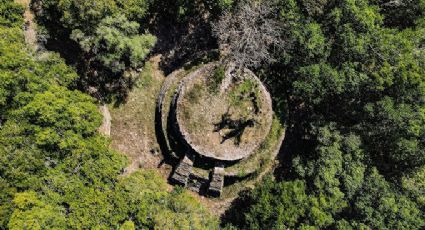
<point x="352" y="88"/>
<point x="10" y="13"/>
<point x="414" y="183"/>
<point x="381" y="208"/>
<point x="143" y="195"/>
<point x="116" y="43"/>
<point x="104" y="43"/>
<point x="32" y="213"/>
<point x="401" y="14"/>
<point x="76" y="14"/>
<point x="277" y="205"/>
<point x="135" y="10"/>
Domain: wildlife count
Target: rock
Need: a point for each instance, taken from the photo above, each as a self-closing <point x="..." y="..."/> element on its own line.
<point x="217" y="182"/>
<point x="182" y="172"/>
<point x="141" y="164"/>
<point x="197" y="184"/>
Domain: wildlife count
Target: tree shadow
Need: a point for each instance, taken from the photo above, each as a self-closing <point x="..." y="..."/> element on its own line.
<point x="284" y="169"/>
<point x="233" y="215"/>
<point x="94" y="78"/>
<point x="183" y="38"/>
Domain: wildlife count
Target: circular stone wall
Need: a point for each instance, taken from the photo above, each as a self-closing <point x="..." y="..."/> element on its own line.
<point x="203" y="108"/>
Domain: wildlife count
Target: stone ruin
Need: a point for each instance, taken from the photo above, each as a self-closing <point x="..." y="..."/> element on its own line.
<point x="202" y="153"/>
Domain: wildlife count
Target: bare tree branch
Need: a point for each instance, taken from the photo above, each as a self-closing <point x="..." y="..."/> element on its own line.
<point x="251" y="34"/>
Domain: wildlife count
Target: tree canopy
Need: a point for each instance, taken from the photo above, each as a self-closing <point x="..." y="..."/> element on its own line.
<point x="347" y="78"/>
<point x="56" y="171"/>
<point x="351" y="82"/>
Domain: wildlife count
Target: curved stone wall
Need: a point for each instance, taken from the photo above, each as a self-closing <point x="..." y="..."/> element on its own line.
<point x="230" y="152"/>
<point x="194" y="166"/>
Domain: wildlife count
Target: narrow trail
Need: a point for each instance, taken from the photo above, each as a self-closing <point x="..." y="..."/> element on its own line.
<point x="105" y="128"/>
<point x="133" y="126"/>
<point x="30" y="31"/>
<point x="271" y="166"/>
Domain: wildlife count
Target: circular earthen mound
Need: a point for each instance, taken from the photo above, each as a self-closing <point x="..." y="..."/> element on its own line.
<point x="203" y="104"/>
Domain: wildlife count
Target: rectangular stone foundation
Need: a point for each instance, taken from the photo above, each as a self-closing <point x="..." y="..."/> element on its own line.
<point x="182" y="172"/>
<point x="217" y="182"/>
<point x="198" y="184"/>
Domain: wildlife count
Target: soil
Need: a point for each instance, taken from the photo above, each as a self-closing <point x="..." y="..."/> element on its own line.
<point x="30" y="32"/>
<point x="105" y="128"/>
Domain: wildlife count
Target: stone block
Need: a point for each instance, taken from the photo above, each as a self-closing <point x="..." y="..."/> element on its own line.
<point x="217" y="182"/>
<point x="182" y="171"/>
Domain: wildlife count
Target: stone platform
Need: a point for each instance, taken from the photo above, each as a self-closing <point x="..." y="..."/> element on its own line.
<point x="201" y="159"/>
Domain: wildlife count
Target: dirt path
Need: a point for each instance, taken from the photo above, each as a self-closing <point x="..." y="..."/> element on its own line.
<point x="30" y="31"/>
<point x="105" y="128"/>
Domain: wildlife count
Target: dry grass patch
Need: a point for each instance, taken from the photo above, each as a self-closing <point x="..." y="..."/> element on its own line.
<point x="228" y="125"/>
<point x="133" y="123"/>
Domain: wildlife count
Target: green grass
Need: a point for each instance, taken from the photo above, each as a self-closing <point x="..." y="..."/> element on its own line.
<point x="146" y="78"/>
<point x="262" y="156"/>
<point x="216" y="79"/>
<point x="241" y="93"/>
<point x="261" y="161"/>
<point x="133" y="123"/>
<point x="195" y="94"/>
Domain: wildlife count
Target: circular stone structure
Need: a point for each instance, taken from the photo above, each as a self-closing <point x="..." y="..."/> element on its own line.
<point x="222" y="120"/>
<point x="216" y="124"/>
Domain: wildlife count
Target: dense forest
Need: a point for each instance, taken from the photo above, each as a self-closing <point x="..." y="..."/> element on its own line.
<point x="347" y="78"/>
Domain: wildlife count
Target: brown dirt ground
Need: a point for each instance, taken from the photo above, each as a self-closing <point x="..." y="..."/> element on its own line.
<point x="30" y="33"/>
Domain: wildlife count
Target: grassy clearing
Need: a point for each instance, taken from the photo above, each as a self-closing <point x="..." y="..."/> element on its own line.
<point x="243" y="91"/>
<point x="195" y="94"/>
<point x="133" y="123"/>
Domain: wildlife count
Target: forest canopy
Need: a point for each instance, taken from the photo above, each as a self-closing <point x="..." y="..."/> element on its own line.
<point x="352" y="82"/>
<point x="347" y="79"/>
<point x="56" y="171"/>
